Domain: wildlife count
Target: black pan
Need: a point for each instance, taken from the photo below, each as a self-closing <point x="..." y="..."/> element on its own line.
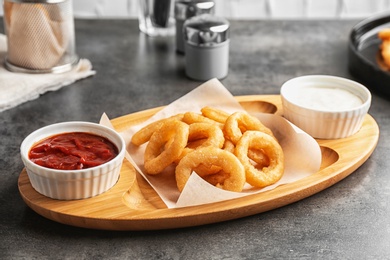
<point x="364" y="60"/>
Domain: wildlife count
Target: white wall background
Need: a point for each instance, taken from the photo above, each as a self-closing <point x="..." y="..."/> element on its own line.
<point x="245" y="9"/>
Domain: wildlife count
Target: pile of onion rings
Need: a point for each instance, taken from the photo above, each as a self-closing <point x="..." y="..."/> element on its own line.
<point x="226" y="150"/>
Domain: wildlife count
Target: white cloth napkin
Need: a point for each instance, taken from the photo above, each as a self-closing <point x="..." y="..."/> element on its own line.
<point x="17" y="88"/>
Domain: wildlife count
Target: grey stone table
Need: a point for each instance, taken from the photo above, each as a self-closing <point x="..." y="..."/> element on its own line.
<point x="350" y="220"/>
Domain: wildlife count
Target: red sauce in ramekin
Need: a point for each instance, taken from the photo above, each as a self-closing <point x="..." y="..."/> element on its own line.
<point x="73" y="151"/>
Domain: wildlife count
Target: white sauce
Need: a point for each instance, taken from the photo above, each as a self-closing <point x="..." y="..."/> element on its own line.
<point x="327" y="99"/>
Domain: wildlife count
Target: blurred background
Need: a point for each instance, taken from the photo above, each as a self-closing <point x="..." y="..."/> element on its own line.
<point x="245" y="9"/>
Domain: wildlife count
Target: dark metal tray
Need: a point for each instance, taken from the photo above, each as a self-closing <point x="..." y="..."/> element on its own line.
<point x="364" y="60"/>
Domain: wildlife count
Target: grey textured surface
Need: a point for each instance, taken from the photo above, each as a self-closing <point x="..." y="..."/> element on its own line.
<point x="349" y="220"/>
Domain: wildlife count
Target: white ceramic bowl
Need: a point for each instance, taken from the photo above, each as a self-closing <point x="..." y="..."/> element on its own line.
<point x="73" y="184"/>
<point x="325" y="107"/>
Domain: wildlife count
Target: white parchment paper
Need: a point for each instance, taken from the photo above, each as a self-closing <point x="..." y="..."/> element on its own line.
<point x="302" y="152"/>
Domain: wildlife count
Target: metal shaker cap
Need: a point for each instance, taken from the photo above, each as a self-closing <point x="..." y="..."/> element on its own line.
<point x="188" y="8"/>
<point x="206" y="30"/>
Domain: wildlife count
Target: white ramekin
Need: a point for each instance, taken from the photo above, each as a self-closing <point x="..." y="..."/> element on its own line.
<point x="334" y="123"/>
<point x="73" y="184"/>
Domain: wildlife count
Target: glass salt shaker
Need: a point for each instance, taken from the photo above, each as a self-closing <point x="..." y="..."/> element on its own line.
<point x="185" y="9"/>
<point x="206" y="40"/>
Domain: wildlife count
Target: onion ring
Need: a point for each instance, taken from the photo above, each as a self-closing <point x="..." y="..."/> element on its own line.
<point x="239" y="122"/>
<point x="212" y="156"/>
<point x="171" y="138"/>
<point x="229" y="146"/>
<point x="256" y="155"/>
<point x="266" y="175"/>
<point x="202" y="135"/>
<point x="213" y="134"/>
<point x="206" y="170"/>
<point x="143" y="135"/>
<point x="216" y="179"/>
<point x="259" y="157"/>
<point x="192" y="117"/>
<point x="215" y="114"/>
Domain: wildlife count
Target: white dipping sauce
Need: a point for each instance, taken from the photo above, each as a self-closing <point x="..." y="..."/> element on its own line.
<point x="327" y="99"/>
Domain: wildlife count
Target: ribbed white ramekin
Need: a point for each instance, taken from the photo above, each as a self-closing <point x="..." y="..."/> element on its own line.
<point x="73" y="184"/>
<point x="334" y="123"/>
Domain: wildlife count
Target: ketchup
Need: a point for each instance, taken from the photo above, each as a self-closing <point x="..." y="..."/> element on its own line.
<point x="73" y="151"/>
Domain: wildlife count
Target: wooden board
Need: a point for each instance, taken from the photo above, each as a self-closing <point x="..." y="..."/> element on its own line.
<point x="133" y="205"/>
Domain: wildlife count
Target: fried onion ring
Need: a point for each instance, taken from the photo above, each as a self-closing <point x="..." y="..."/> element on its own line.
<point x="143" y="135"/>
<point x="192" y="117"/>
<point x="165" y="146"/>
<point x="216" y="179"/>
<point x="256" y="155"/>
<point x="239" y="122"/>
<point x="229" y="146"/>
<point x="212" y="156"/>
<point x="266" y="175"/>
<point x="202" y="135"/>
<point x="212" y="133"/>
<point x="384" y="34"/>
<point x="215" y="114"/>
<point x="384" y="47"/>
<point x="207" y="170"/>
<point x="259" y="157"/>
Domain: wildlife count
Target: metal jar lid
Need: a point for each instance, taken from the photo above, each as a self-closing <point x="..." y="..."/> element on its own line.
<point x="188" y="8"/>
<point x="206" y="30"/>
